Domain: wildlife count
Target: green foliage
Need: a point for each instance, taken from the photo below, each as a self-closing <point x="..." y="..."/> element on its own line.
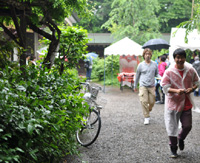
<point x="194" y="22"/>
<point x="98" y="69"/>
<point x="111" y="68"/>
<point x="157" y="53"/>
<point x="72" y="46"/>
<point x="172" y="13"/>
<point x="73" y="42"/>
<point x="169" y="14"/>
<point x="99" y="10"/>
<point x="111" y="81"/>
<point x="39" y="14"/>
<point x="6" y="51"/>
<point x="39" y="116"/>
<point x="136" y="19"/>
<point x="39" y="10"/>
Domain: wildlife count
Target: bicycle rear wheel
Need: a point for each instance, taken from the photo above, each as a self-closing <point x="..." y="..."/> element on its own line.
<point x="89" y="132"/>
<point x="94" y="106"/>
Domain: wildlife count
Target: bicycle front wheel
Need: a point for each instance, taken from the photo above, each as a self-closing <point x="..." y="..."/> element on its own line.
<point x="89" y="132"/>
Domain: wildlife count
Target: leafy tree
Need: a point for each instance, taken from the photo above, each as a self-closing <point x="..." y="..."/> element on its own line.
<point x="134" y="18"/>
<point x="37" y="14"/>
<point x="172" y="13"/>
<point x="72" y="46"/>
<point x="99" y="15"/>
<point x="194" y="22"/>
<point x="6" y="50"/>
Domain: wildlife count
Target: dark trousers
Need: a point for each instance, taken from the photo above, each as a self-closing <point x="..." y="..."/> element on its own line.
<point x="186" y="121"/>
<point x="158" y="98"/>
<point x="88" y="73"/>
<point x="157" y="92"/>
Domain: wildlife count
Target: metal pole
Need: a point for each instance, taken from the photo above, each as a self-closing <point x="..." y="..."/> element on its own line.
<point x="112" y="69"/>
<point x="192" y="9"/>
<point x="104" y="89"/>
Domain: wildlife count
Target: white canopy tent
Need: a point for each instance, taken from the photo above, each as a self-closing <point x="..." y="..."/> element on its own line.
<point x="125" y="46"/>
<point x="177" y="40"/>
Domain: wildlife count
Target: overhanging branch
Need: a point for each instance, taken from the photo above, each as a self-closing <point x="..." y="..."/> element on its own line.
<point x="9" y="33"/>
<point x="39" y="31"/>
<point x="14" y="17"/>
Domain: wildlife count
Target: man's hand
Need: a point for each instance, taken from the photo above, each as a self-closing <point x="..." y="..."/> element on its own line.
<point x="180" y="91"/>
<point x="189" y="90"/>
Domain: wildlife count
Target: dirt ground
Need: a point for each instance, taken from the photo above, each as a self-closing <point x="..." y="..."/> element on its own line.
<point x="125" y="139"/>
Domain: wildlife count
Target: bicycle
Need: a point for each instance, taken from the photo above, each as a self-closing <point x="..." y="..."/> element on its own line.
<point x="91" y="123"/>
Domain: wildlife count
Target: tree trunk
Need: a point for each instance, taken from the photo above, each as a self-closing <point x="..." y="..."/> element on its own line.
<point x="49" y="60"/>
<point x="23" y="26"/>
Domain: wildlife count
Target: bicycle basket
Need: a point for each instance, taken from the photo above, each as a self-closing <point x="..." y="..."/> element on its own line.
<point x="94" y="92"/>
<point x="87" y="96"/>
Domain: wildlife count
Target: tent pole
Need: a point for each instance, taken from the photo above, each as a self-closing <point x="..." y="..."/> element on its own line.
<point x="104" y="89"/>
<point x="192" y="9"/>
<point x="112" y="69"/>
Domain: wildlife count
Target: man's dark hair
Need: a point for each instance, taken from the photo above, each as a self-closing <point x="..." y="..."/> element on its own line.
<point x="166" y="54"/>
<point x="163" y="58"/>
<point x="33" y="57"/>
<point x="195" y="53"/>
<point x="180" y="52"/>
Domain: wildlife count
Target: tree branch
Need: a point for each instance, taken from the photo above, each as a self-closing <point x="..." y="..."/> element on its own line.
<point x="19" y="32"/>
<point x="39" y="31"/>
<point x="9" y="33"/>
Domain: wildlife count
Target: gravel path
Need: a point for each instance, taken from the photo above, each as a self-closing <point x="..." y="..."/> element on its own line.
<point x="125" y="139"/>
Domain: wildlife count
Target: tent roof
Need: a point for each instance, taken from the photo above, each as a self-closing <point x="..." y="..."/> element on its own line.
<point x="125" y="46"/>
<point x="177" y="39"/>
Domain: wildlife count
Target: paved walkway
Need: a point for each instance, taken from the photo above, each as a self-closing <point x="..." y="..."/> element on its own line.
<point x="125" y="139"/>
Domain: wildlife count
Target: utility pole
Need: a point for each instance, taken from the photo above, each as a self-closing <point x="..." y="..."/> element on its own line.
<point x="192" y="9"/>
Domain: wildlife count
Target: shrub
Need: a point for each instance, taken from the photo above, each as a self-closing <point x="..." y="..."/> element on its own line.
<point x="39" y="115"/>
<point x="111" y="68"/>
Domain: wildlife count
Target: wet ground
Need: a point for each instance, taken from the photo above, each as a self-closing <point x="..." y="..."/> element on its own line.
<point x="125" y="139"/>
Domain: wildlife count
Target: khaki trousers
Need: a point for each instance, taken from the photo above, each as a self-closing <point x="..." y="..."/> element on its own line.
<point x="147" y="99"/>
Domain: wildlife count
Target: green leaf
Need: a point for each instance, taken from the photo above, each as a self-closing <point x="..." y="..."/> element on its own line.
<point x="20" y="150"/>
<point x="21" y="88"/>
<point x="33" y="154"/>
<point x="30" y="128"/>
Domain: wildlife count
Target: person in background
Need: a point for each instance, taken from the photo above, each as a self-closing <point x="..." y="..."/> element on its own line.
<point x="193" y="56"/>
<point x="196" y="65"/>
<point x="33" y="60"/>
<point x="88" y="67"/>
<point x="161" y="69"/>
<point x="28" y="56"/>
<point x="145" y="75"/>
<point x="157" y="60"/>
<point x="162" y="65"/>
<point x="178" y="81"/>
<point x="157" y="83"/>
<point x="167" y="59"/>
<point x="157" y="93"/>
